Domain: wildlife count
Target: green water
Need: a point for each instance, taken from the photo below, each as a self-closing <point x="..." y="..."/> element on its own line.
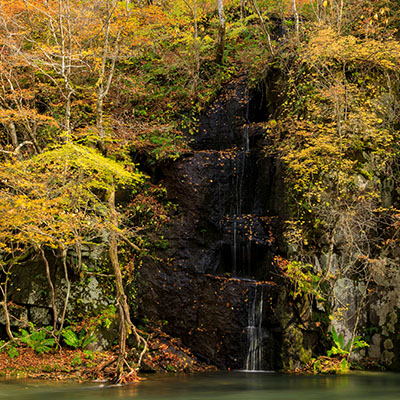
<point x="229" y="385"/>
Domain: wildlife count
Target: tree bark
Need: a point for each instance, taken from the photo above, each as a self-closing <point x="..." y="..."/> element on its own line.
<point x="126" y="327"/>
<point x="13" y="134"/>
<point x="67" y="294"/>
<point x="242" y="6"/>
<point x="219" y="59"/>
<point x="53" y="293"/>
<point x="296" y="17"/>
<point x="196" y="74"/>
<point x="3" y="303"/>
<point x="7" y="318"/>
<point x="110" y="50"/>
<point x="66" y="60"/>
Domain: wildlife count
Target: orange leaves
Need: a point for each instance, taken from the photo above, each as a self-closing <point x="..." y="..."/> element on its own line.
<point x="22" y="114"/>
<point x="12" y="8"/>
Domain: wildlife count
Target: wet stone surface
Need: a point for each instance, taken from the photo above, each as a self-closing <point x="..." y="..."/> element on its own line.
<point x="221" y="240"/>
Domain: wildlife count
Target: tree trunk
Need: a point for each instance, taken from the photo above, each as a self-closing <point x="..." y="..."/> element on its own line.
<point x="296" y="17"/>
<point x="68" y="292"/>
<point x="359" y="309"/>
<point x="99" y="119"/>
<point x="196" y="73"/>
<point x="109" y="50"/>
<point x="126" y="326"/>
<point x="219" y="59"/>
<point x="13" y="134"/>
<point x="263" y="26"/>
<point x="65" y="63"/>
<point x="4" y="291"/>
<point x="7" y="318"/>
<point x="340" y="16"/>
<point x="242" y="5"/>
<point x="53" y="293"/>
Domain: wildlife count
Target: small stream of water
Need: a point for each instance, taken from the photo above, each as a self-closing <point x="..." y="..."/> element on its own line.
<point x="215" y="386"/>
<point x="254" y="332"/>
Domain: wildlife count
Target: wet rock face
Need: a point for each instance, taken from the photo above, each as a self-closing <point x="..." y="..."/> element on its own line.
<point x="222" y="217"/>
<point x="221" y="126"/>
<point x="209" y="313"/>
<point x="222" y="236"/>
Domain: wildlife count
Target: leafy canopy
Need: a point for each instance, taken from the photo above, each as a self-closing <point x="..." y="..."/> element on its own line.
<point x="57" y="197"/>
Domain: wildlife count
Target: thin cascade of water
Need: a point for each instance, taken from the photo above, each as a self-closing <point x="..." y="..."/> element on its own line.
<point x="246" y="139"/>
<point x="239" y="225"/>
<point x="238" y="169"/>
<point x="238" y="173"/>
<point x="241" y="169"/>
<point x="248" y="248"/>
<point x="246" y="128"/>
<point x="234" y="250"/>
<point x="254" y="332"/>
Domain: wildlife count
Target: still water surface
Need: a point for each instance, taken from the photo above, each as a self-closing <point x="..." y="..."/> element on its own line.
<point x="220" y="385"/>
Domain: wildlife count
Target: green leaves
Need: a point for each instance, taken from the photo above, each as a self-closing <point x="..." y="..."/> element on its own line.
<point x="336" y="361"/>
<point x="339" y="341"/>
<point x="38" y="340"/>
<point x="304" y="281"/>
<point x="10" y="347"/>
<point x="343" y="349"/>
<point x="12" y="351"/>
<point x="77" y="339"/>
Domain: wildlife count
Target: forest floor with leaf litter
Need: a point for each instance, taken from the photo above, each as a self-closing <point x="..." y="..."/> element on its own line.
<point x="165" y="354"/>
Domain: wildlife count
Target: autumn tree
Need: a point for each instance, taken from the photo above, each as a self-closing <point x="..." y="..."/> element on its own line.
<point x="60" y="198"/>
<point x="339" y="147"/>
<point x="18" y="89"/>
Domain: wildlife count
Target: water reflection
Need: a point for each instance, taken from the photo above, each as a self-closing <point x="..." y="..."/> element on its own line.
<point x="218" y="386"/>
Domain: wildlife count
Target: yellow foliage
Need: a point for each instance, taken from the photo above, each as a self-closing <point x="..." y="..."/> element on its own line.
<point x="54" y="199"/>
<point x="327" y="46"/>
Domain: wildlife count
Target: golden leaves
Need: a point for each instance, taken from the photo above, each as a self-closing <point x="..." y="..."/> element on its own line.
<point x="327" y="47"/>
<point x="52" y="199"/>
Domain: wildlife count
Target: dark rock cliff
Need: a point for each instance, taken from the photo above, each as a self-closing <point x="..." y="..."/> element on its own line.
<point x="222" y="239"/>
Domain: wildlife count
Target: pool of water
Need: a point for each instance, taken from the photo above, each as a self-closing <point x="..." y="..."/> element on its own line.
<point x="219" y="385"/>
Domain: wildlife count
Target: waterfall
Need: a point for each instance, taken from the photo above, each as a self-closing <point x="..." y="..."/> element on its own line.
<point x="239" y="165"/>
<point x="246" y="139"/>
<point x="248" y="249"/>
<point x="234" y="249"/>
<point x="246" y="128"/>
<point x="221" y="237"/>
<point x="254" y="357"/>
